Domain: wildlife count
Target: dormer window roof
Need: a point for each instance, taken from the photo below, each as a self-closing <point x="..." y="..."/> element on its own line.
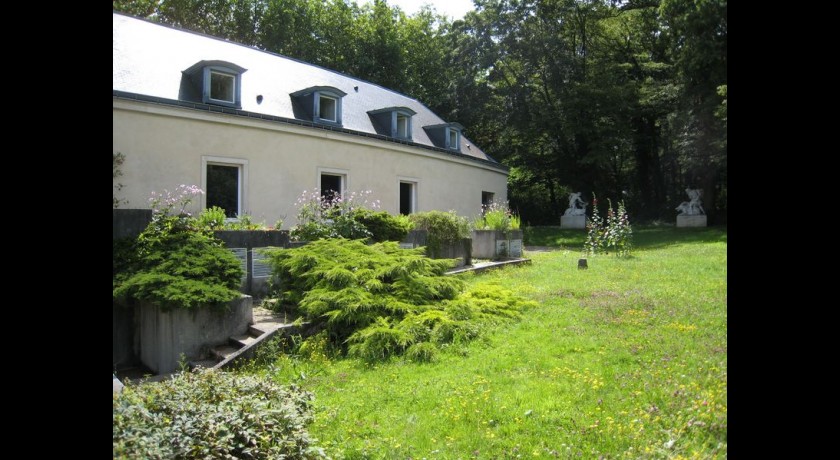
<point x="446" y="135"/>
<point x="321" y="104"/>
<point x="218" y="82"/>
<point x="393" y="121"/>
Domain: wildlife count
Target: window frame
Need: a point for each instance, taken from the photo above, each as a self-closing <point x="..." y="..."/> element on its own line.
<point x="457" y="144"/>
<point x="342" y="173"/>
<point x="395" y="124"/>
<point x="316" y="109"/>
<point x="226" y="71"/>
<point x="242" y="165"/>
<point x="415" y="184"/>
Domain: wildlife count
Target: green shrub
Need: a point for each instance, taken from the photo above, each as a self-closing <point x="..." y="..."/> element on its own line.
<point x="213" y="414"/>
<point x="335" y="216"/>
<point x="497" y="216"/>
<point x="442" y="228"/>
<point x="380" y="301"/>
<point x="175" y="264"/>
<point x="212" y="218"/>
<point x="383" y="226"/>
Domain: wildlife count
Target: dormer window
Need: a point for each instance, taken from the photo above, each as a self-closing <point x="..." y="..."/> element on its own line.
<point x="446" y="135"/>
<point x="222" y="87"/>
<point x="216" y="82"/>
<point x="328" y="108"/>
<point x="403" y="128"/>
<point x="321" y="104"/>
<point x="393" y="121"/>
<point x="452" y="139"/>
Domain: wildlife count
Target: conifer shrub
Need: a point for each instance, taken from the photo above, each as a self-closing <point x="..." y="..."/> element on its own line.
<point x="377" y="301"/>
<point x="174" y="262"/>
<point x="383" y="226"/>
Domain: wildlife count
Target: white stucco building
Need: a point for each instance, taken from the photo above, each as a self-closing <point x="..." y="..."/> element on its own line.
<point x="255" y="129"/>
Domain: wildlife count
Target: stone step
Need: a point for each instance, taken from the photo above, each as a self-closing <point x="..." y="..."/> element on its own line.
<point x="258" y="329"/>
<point x="205" y="363"/>
<point x="243" y="340"/>
<point x="223" y="351"/>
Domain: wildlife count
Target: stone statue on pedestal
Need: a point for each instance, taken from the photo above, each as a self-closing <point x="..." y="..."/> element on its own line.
<point x="576" y="206"/>
<point x="693" y="207"/>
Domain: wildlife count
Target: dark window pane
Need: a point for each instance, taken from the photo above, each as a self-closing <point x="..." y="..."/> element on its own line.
<point x="221" y="87"/>
<point x="486" y="198"/>
<point x="328" y="106"/>
<point x="223" y="188"/>
<point x="330" y="186"/>
<point x="406" y="190"/>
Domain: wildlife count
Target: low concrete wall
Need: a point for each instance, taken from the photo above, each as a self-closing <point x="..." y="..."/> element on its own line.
<point x="461" y="250"/>
<point x="493" y="244"/>
<point x="123" y="337"/>
<point x="128" y="223"/>
<point x="164" y="336"/>
<point x="255" y="283"/>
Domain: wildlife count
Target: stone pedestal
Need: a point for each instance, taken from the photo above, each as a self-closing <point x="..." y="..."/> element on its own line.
<point x="573" y="222"/>
<point x="691" y="221"/>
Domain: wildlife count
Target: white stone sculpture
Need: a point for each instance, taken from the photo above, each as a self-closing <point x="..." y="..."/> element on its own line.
<point x="576" y="206"/>
<point x="693" y="207"/>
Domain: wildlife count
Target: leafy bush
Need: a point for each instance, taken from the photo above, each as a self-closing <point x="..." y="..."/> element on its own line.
<point x="214" y="218"/>
<point x="380" y="300"/>
<point x="383" y="226"/>
<point x="442" y="228"/>
<point x="174" y="263"/>
<point x="497" y="216"/>
<point x="213" y="414"/>
<point x="335" y="216"/>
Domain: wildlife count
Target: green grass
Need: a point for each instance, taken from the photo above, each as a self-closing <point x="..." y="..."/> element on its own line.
<point x="627" y="359"/>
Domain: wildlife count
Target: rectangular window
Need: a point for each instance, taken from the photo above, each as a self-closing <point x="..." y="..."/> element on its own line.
<point x="453" y="139"/>
<point x="486" y="198"/>
<point x="331" y="186"/>
<point x="222" y="87"/>
<point x="403" y="129"/>
<point x="407" y="197"/>
<point x="328" y="108"/>
<point x="223" y="187"/>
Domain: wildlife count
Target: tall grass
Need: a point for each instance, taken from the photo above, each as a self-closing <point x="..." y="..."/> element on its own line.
<point x="627" y="359"/>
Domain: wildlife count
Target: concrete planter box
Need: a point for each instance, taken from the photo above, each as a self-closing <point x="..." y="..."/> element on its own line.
<point x="495" y="244"/>
<point x="129" y="223"/>
<point x="165" y="335"/>
<point x="242" y="243"/>
<point x="123" y="336"/>
<point x="461" y="250"/>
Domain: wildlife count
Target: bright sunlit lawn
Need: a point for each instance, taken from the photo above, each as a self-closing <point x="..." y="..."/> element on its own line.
<point x="624" y="360"/>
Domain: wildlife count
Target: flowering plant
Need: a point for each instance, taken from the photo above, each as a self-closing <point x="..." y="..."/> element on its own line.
<point x="616" y="233"/>
<point x="496" y="216"/>
<point x="332" y="215"/>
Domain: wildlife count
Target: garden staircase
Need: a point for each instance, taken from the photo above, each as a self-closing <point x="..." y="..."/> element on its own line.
<point x="266" y="324"/>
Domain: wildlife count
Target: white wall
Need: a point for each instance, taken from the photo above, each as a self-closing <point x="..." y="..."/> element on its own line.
<point x="163" y="148"/>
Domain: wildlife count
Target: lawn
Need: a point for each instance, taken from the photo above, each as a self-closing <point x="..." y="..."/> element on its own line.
<point x="627" y="359"/>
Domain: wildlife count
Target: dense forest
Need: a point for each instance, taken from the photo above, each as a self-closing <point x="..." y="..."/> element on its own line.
<point x="625" y="99"/>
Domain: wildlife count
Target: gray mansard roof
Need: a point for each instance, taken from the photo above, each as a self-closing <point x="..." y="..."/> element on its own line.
<point x="153" y="62"/>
